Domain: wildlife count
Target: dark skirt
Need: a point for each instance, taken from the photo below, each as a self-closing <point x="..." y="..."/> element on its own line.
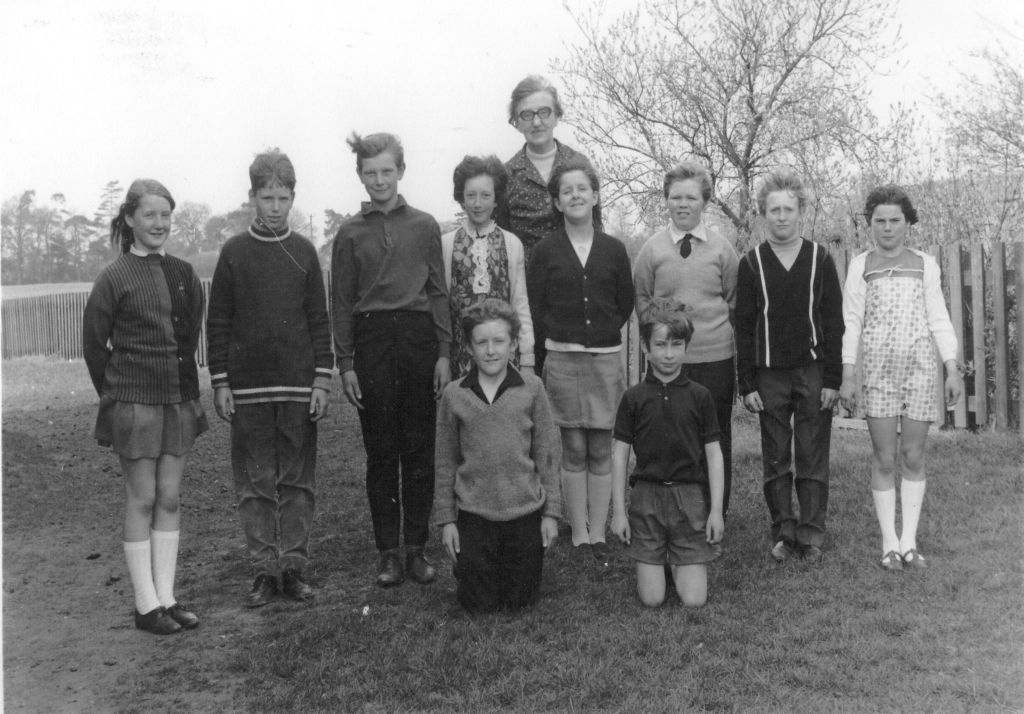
<point x="148" y="431"/>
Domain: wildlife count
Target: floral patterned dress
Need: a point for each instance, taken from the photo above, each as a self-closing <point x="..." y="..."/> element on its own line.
<point x="899" y="360"/>
<point x="479" y="271"/>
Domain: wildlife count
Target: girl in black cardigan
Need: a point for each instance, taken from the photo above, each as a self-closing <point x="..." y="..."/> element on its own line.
<point x="581" y="294"/>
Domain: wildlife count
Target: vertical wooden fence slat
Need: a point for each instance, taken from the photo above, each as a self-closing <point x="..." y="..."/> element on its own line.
<point x="1000" y="338"/>
<point x="977" y="252"/>
<point x="955" y="280"/>
<point x="1018" y="255"/>
<point x="940" y="392"/>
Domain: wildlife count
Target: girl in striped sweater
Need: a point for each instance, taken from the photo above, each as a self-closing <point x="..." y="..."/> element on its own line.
<point x="140" y="332"/>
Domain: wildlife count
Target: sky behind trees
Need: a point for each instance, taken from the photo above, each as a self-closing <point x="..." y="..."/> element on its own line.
<point x="187" y="92"/>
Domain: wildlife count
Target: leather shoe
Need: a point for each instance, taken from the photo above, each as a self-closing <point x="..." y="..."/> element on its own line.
<point x="263" y="590"/>
<point x="293" y="586"/>
<point x="183" y="616"/>
<point x="418" y="567"/>
<point x="810" y="553"/>
<point x="782" y="551"/>
<point x="390" y="572"/>
<point x="156" y="621"/>
<point x="602" y="554"/>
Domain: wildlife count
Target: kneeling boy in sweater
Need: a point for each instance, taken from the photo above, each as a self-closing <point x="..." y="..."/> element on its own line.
<point x="497" y="494"/>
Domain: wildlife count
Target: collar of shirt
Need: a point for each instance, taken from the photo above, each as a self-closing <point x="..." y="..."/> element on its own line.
<point x="472" y="381"/>
<point x="699" y="232"/>
<point x="680" y="380"/>
<point x="367" y="208"/>
<point x="520" y="161"/>
<point x="134" y="250"/>
<point x="472" y="232"/>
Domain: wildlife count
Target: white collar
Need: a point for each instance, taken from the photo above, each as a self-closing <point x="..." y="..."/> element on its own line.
<point x="699" y="231"/>
<point x="134" y="250"/>
<point x="471" y="230"/>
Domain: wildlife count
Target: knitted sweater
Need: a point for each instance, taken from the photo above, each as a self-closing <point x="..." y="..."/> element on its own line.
<point x="268" y="331"/>
<point x="498" y="460"/>
<point x="582" y="304"/>
<point x="788" y="318"/>
<point x="705" y="282"/>
<point x="141" y="328"/>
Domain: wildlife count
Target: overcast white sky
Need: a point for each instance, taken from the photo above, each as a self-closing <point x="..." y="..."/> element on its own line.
<point x="187" y="91"/>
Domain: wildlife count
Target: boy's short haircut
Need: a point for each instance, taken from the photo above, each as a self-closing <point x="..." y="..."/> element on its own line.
<point x="668" y="312"/>
<point x="782" y="180"/>
<point x="486" y="311"/>
<point x="689" y="170"/>
<point x="367" y="147"/>
<point x="270" y="168"/>
<point x="473" y="166"/>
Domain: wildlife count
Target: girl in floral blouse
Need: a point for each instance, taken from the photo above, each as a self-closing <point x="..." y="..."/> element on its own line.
<point x="482" y="260"/>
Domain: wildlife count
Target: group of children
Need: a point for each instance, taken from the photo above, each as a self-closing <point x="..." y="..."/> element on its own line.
<point x="436" y="339"/>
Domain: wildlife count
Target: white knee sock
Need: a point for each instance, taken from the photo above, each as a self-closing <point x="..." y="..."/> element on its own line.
<point x="140" y="570"/>
<point x="599" y="499"/>
<point x="165" y="562"/>
<point x="885" y="509"/>
<point x="911" y="499"/>
<point x="574" y="496"/>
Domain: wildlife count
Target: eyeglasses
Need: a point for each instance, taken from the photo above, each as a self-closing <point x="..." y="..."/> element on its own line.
<point x="527" y="115"/>
<point x="686" y="246"/>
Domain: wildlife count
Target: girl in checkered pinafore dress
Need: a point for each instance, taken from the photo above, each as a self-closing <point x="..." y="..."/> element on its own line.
<point x="893" y="309"/>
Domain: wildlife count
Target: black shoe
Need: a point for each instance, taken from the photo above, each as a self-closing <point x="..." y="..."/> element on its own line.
<point x="602" y="554"/>
<point x="782" y="551"/>
<point x="390" y="572"/>
<point x="263" y="590"/>
<point x="293" y="586"/>
<point x="810" y="553"/>
<point x="418" y="567"/>
<point x="156" y="621"/>
<point x="183" y="616"/>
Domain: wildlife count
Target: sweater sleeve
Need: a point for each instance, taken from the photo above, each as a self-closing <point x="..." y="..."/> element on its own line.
<point x="832" y="323"/>
<point x="447" y="457"/>
<point x="730" y="268"/>
<point x="536" y="288"/>
<point x="437" y="293"/>
<point x="315" y="305"/>
<point x="344" y="295"/>
<point x="219" y="320"/>
<point x="746" y="294"/>
<point x="643" y="279"/>
<point x="939" y="323"/>
<point x="520" y="298"/>
<point x="545" y="450"/>
<point x="854" y="294"/>
<point x="196" y="316"/>
<point x="97" y="325"/>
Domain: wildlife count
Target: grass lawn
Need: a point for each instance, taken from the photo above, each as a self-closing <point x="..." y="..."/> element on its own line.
<point x="840" y="636"/>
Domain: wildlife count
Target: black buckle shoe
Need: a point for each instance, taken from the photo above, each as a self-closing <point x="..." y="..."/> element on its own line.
<point x="183" y="616"/>
<point x="156" y="621"/>
<point x="293" y="586"/>
<point x="263" y="590"/>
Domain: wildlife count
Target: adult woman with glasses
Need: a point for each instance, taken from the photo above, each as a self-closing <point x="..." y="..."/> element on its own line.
<point x="691" y="263"/>
<point x="534" y="111"/>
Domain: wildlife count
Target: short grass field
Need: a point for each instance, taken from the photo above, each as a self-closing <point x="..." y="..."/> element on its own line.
<point x="842" y="636"/>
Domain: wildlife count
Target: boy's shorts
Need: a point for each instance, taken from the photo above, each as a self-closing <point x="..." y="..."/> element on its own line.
<point x="667" y="524"/>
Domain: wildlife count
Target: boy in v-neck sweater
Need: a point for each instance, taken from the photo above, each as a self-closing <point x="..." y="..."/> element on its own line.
<point x="789" y="331"/>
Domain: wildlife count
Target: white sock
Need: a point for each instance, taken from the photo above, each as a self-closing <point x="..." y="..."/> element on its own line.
<point x="165" y="562"/>
<point x="885" y="509"/>
<point x="574" y="496"/>
<point x="911" y="499"/>
<point x="599" y="500"/>
<point x="140" y="570"/>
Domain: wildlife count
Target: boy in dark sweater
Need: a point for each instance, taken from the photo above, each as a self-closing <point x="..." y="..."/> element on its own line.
<point x="497" y="494"/>
<point x="392" y="336"/>
<point x="789" y="332"/>
<point x="674" y="523"/>
<point x="270" y="365"/>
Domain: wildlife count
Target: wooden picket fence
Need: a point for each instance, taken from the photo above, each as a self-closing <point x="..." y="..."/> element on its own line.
<point x="980" y="279"/>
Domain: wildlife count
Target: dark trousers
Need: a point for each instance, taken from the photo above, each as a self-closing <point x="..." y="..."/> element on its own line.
<point x="719" y="378"/>
<point x="500" y="562"/>
<point x="794" y="424"/>
<point x="394" y="360"/>
<point x="273" y="457"/>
